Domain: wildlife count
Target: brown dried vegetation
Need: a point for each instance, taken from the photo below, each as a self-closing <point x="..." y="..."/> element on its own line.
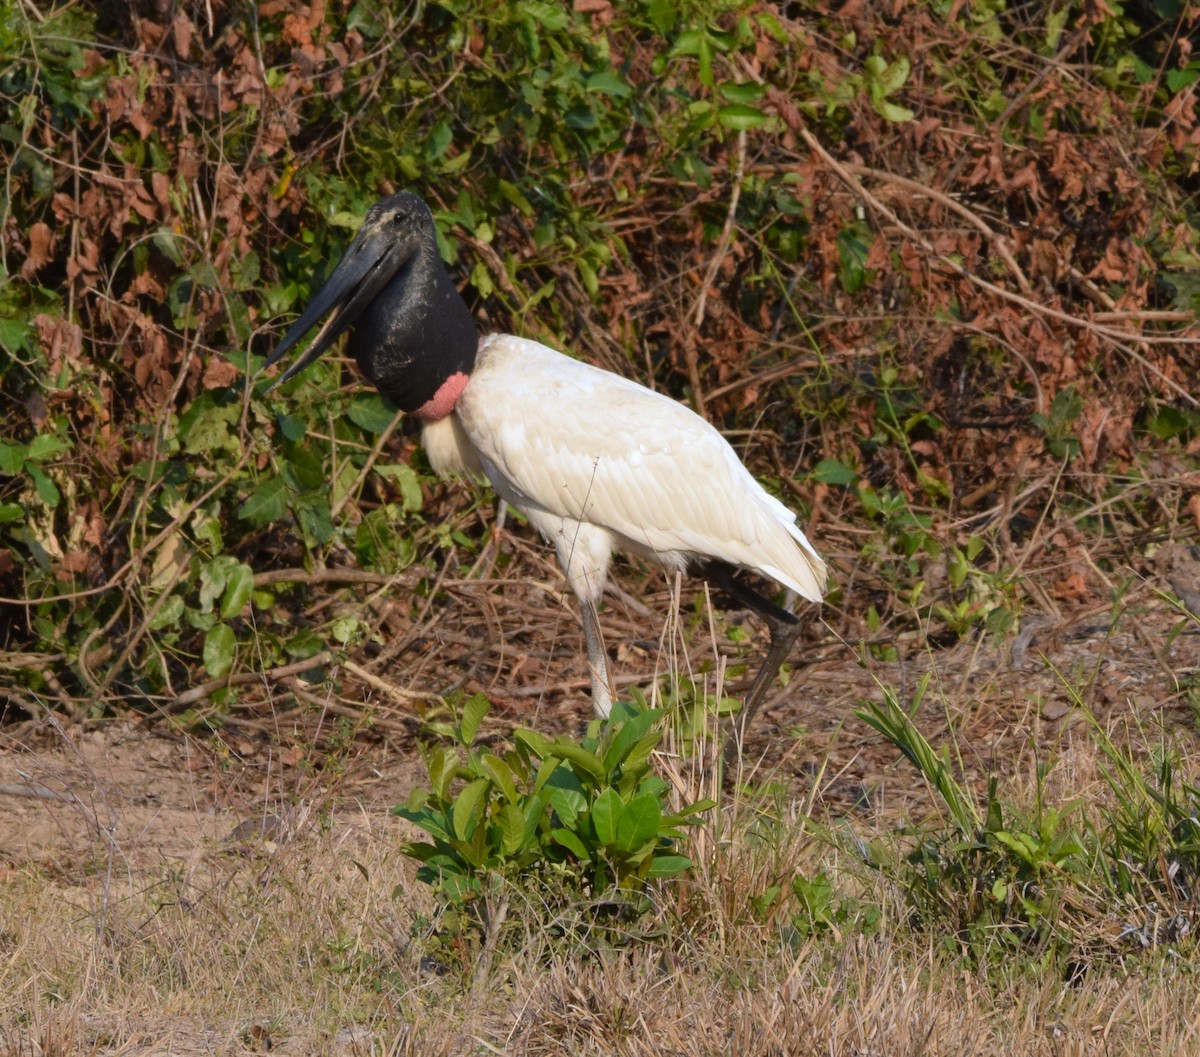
<point x="982" y="315"/>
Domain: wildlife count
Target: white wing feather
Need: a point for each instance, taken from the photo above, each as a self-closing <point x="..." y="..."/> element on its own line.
<point x="560" y="436"/>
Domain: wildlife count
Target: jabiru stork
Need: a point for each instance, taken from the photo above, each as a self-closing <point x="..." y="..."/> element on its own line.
<point x="596" y="462"/>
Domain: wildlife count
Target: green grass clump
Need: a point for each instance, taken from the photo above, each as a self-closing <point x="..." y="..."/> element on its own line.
<point x="1000" y="878"/>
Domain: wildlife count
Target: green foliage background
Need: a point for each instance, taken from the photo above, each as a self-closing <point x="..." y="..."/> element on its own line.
<point x="926" y="258"/>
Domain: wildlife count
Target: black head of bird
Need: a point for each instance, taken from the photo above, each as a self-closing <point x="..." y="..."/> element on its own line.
<point x="411" y="330"/>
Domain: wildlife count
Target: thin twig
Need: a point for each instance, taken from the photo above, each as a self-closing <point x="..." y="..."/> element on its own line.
<point x="384" y="687"/>
<point x="336" y="510"/>
<point x="691" y="345"/>
<point x="37" y="792"/>
<point x="718" y="257"/>
<point x="335" y="576"/>
<point x="198" y="693"/>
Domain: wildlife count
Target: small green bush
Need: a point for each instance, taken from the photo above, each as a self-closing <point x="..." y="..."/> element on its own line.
<point x="579" y="820"/>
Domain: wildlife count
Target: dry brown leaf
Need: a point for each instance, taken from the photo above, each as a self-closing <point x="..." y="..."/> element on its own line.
<point x="181" y="34"/>
<point x="41" y="249"/>
<point x="1073" y="588"/>
<point x="73" y="563"/>
<point x="219" y="373"/>
<point x="61" y="340"/>
<point x="160" y="184"/>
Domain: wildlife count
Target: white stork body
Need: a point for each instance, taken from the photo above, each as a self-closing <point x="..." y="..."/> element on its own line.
<point x="598" y="463"/>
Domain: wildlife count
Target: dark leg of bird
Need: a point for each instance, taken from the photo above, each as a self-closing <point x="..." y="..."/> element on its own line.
<point x="783" y="628"/>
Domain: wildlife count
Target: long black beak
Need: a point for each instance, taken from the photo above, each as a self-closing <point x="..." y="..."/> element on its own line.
<point x="370" y="263"/>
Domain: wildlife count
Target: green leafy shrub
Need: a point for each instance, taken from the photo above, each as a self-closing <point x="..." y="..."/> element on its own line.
<point x="579" y="820"/>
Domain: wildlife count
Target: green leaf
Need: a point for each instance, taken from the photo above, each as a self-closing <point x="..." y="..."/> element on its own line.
<point x="1178" y="80"/>
<point x="405" y="477"/>
<point x="893" y="112"/>
<point x="681" y="816"/>
<point x="634" y="764"/>
<point x="438" y="141"/>
<point x="10" y="512"/>
<point x="853" y="247"/>
<point x="481" y="279"/>
<point x="473" y="712"/>
<point x="517" y="197"/>
<point x="687" y="43"/>
<point x="747" y="94"/>
<point x="168" y="614"/>
<point x="538" y="744"/>
<point x="443" y="767"/>
<point x="219" y="648"/>
<point x="638" y="822"/>
<point x="513" y="832"/>
<point x="372" y="413"/>
<point x="834" y="471"/>
<point x="14" y="335"/>
<point x="345" y="629"/>
<point x="12" y="458"/>
<point x="46" y="446"/>
<point x="772" y="25"/>
<point x="420" y="850"/>
<point x="468" y="808"/>
<point x="303" y="469"/>
<point x="570" y="840"/>
<point x="663" y="13"/>
<point x="568" y="803"/>
<point x="246" y="270"/>
<point x="668" y="865"/>
<point x="501" y="774"/>
<point x="535" y="811"/>
<point x="565" y="750"/>
<point x="606" y="813"/>
<point x="608" y="83"/>
<point x="170" y="245"/>
<point x="344" y="218"/>
<point x="1171" y="422"/>
<point x="211" y="427"/>
<point x="267" y="503"/>
<point x="552" y="16"/>
<point x="582" y="118"/>
<point x="315" y="517"/>
<point x="631" y="732"/>
<point x="741" y="118"/>
<point x="588" y="276"/>
<point x="46" y="489"/>
<point x="214" y="575"/>
<point x="891" y="77"/>
<point x="704" y="57"/>
<point x="238" y="588"/>
<point x="580" y="759"/>
<point x="290" y="427"/>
